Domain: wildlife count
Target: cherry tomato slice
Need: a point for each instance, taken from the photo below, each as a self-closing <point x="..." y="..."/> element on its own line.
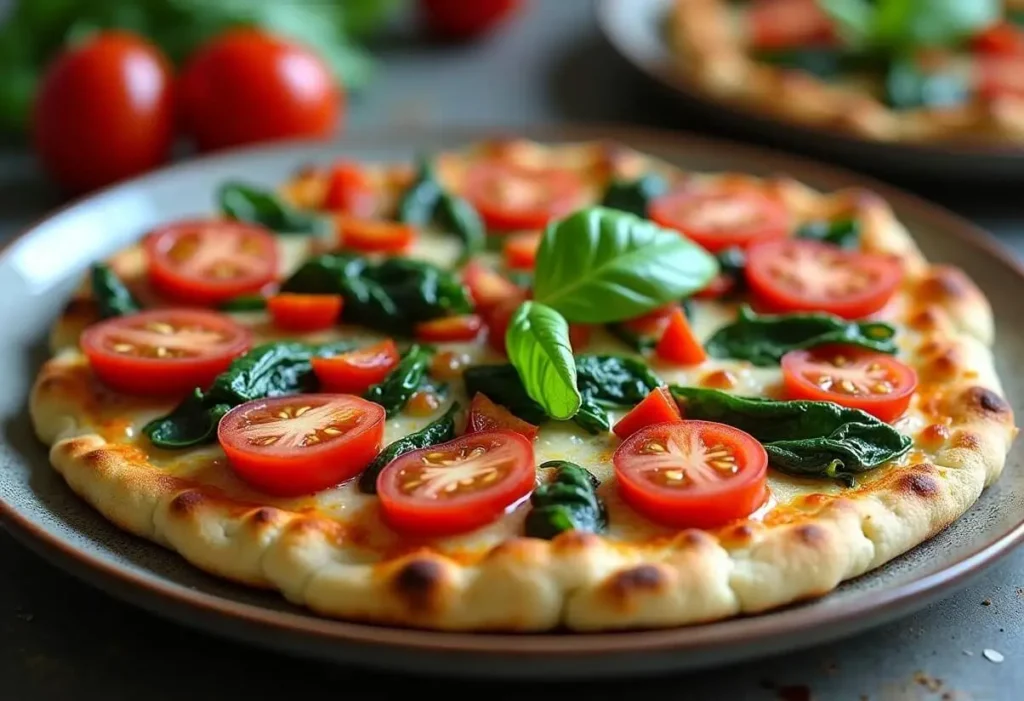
<point x="692" y="474"/>
<point x="485" y="415"/>
<point x="678" y="344"/>
<point x="350" y="191"/>
<point x="718" y="219"/>
<point x="720" y="286"/>
<point x="1001" y="39"/>
<point x="356" y="371"/>
<point x="851" y="376"/>
<point x="497" y="320"/>
<point x="999" y="76"/>
<point x="510" y="197"/>
<point x="785" y="24"/>
<point x="486" y="287"/>
<point x="374" y="236"/>
<point x="163" y="352"/>
<point x="579" y="336"/>
<point x="297" y="312"/>
<point x="658" y="407"/>
<point x="210" y="261"/>
<point x="520" y="250"/>
<point x="457" y="486"/>
<point x="449" y="329"/>
<point x="808" y="276"/>
<point x="303" y="443"/>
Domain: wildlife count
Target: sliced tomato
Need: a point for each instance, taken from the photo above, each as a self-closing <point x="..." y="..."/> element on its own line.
<point x="457" y="486"/>
<point x="485" y="415"/>
<point x="851" y="376"/>
<point x="652" y="324"/>
<point x="720" y="286"/>
<point x="720" y="218"/>
<point x="1000" y="76"/>
<point x="350" y="191"/>
<point x="486" y="287"/>
<point x="809" y="276"/>
<point x="785" y="24"/>
<point x="209" y="261"/>
<point x="579" y="336"/>
<point x="510" y="197"/>
<point x="449" y="329"/>
<point x="658" y="407"/>
<point x="692" y="474"/>
<point x="678" y="344"/>
<point x="358" y="370"/>
<point x="296" y="312"/>
<point x="521" y="250"/>
<point x="163" y="352"/>
<point x="300" y="444"/>
<point x="1001" y="39"/>
<point x="497" y="320"/>
<point x="374" y="236"/>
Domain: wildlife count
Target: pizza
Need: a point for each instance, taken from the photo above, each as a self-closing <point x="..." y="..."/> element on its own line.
<point x="528" y="387"/>
<point x="887" y="71"/>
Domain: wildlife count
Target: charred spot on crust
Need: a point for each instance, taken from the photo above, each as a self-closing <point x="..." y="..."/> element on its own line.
<point x="186" y="502"/>
<point x="934" y="434"/>
<point x="811" y="534"/>
<point x="945" y="364"/>
<point x="575" y="540"/>
<point x="987" y="401"/>
<point x="417" y="582"/>
<point x="967" y="440"/>
<point x="640" y="578"/>
<point x="927" y="319"/>
<point x="742" y="533"/>
<point x="693" y="538"/>
<point x="264" y="516"/>
<point x="945" y="282"/>
<point x="919" y="483"/>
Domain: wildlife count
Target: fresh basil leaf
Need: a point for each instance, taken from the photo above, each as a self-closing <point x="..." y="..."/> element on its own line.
<point x="537" y="342"/>
<point x="244" y="303"/>
<point x="458" y="216"/>
<point x="803" y="438"/>
<point x="901" y="25"/>
<point x="420" y="199"/>
<point x="854" y="19"/>
<point x="112" y="296"/>
<point x="844" y="233"/>
<point x="763" y="339"/>
<point x="438" y="431"/>
<point x="395" y="390"/>
<point x="569" y="502"/>
<point x="255" y="206"/>
<point x="635" y="196"/>
<point x="908" y="87"/>
<point x="601" y="265"/>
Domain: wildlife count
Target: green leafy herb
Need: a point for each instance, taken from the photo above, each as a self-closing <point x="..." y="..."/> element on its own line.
<point x="764" y="338"/>
<point x="569" y="502"/>
<point x="635" y="196"/>
<point x="538" y="345"/>
<point x="269" y="370"/>
<point x="844" y="233"/>
<point x="244" y="303"/>
<point x="902" y="25"/>
<point x="111" y="295"/>
<point x="803" y="438"/>
<point x="255" y="206"/>
<point x="501" y="384"/>
<point x="438" y="431"/>
<point x="907" y="86"/>
<point x="460" y="217"/>
<point x="425" y="202"/>
<point x="395" y="390"/>
<point x="391" y="296"/>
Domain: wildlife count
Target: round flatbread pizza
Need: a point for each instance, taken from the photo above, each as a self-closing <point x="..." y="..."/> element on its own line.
<point x="528" y="387"/>
<point x="887" y="71"/>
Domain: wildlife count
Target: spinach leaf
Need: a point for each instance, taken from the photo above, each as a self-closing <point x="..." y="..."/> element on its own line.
<point x="803" y="438"/>
<point x="420" y="199"/>
<point x="394" y="391"/>
<point x="610" y="381"/>
<point x="502" y="385"/>
<point x="538" y="345"/>
<point x="438" y="431"/>
<point x="601" y="265"/>
<point x="460" y="217"/>
<point x="111" y="295"/>
<point x="268" y="370"/>
<point x="844" y="233"/>
<point x="634" y="196"/>
<point x="907" y="87"/>
<point x="569" y="502"/>
<point x="391" y="296"/>
<point x="244" y="303"/>
<point x="764" y="338"/>
<point x="255" y="206"/>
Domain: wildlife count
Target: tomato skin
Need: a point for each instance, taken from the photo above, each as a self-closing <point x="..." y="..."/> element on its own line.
<point x="486" y="287"/>
<point x="247" y="86"/>
<point x="168" y="277"/>
<point x="699" y="505"/>
<point x="350" y="191"/>
<point x="297" y="312"/>
<point x="374" y="236"/>
<point x="1000" y="76"/>
<point x="520" y="250"/>
<point x="104" y="111"/>
<point x="459" y="513"/>
<point x="901" y="378"/>
<point x="485" y="415"/>
<point x="149" y="376"/>
<point x="782" y="24"/>
<point x="718" y="287"/>
<point x="450" y="329"/>
<point x="804" y="258"/>
<point x="658" y="407"/>
<point x="1001" y="39"/>
<point x="309" y="468"/>
<point x="356" y="371"/>
<point x="537" y="196"/>
<point x="678" y="344"/>
<point x="692" y="213"/>
<point x="579" y="336"/>
<point x="497" y="320"/>
<point x="457" y="19"/>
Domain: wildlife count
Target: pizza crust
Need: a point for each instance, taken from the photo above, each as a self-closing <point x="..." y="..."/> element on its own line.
<point x="579" y="581"/>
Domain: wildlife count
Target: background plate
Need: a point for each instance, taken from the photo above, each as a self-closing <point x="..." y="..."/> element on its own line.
<point x="39" y="270"/>
<point x="634" y="29"/>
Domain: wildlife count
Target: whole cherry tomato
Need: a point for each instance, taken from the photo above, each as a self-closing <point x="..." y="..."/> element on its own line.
<point x="248" y="86"/>
<point x="104" y="111"/>
<point x="458" y="19"/>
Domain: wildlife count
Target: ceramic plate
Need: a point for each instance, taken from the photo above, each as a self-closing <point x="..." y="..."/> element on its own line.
<point x="635" y="30"/>
<point x="40" y="268"/>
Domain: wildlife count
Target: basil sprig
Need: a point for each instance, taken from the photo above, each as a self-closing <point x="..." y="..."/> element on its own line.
<point x="253" y="205"/>
<point x="901" y="25"/>
<point x="802" y="438"/>
<point x="764" y="338"/>
<point x="112" y="296"/>
<point x="537" y="342"/>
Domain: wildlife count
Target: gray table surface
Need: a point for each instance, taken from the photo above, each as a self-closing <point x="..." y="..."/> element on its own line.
<point x="60" y="639"/>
